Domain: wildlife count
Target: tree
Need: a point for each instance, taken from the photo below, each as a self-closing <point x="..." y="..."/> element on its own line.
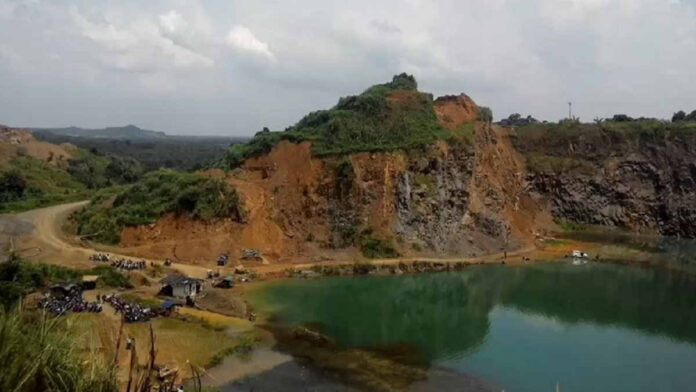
<point x="679" y="116"/>
<point x="12" y="186"/>
<point x="485" y="114"/>
<point x="516" y="120"/>
<point x="621" y="118"/>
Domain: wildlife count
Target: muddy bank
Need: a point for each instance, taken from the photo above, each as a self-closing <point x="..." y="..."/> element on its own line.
<point x="320" y="364"/>
<point x="378" y="268"/>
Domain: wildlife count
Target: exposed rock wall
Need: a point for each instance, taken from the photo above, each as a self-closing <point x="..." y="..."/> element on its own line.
<point x="640" y="182"/>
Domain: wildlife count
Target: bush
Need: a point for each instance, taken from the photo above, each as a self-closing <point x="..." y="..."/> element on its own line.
<point x="375" y="248"/>
<point x="13" y="186"/>
<point x="516" y="120"/>
<point x="485" y="114"/>
<point x="159" y="193"/>
<point x="682" y="116"/>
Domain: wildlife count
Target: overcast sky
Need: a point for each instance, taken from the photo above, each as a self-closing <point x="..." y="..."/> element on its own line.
<point x="230" y="67"/>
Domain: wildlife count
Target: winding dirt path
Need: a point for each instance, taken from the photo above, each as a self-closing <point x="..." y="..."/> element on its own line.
<point x="48" y="243"/>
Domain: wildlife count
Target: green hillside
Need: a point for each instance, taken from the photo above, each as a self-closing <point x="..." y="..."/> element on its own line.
<point x="158" y="193"/>
<point x="27" y="183"/>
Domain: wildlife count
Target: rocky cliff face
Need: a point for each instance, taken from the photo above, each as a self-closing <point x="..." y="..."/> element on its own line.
<point x="640" y="181"/>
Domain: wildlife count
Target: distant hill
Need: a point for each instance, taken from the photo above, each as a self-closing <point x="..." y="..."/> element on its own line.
<point x="129" y="132"/>
<point x="153" y="149"/>
<point x="35" y="173"/>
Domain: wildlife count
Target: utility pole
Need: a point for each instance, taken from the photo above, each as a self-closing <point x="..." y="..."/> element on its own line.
<point x="570" y="110"/>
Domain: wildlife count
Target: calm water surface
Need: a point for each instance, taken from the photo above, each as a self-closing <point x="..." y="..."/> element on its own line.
<point x="595" y="327"/>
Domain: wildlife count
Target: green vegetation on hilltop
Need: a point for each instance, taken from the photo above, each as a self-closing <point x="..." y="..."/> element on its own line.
<point x="575" y="146"/>
<point x="158" y="193"/>
<point x="384" y="117"/>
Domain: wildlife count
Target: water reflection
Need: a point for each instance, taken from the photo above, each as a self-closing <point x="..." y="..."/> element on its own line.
<point x="447" y="315"/>
<point x="672" y="252"/>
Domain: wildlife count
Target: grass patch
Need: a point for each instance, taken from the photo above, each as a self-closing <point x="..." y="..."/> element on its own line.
<point x="149" y="302"/>
<point x="465" y="133"/>
<point x="550" y="164"/>
<point x="570" y="226"/>
<point x="159" y="193"/>
<point x="556" y="243"/>
<point x="181" y="341"/>
<point x="244" y="345"/>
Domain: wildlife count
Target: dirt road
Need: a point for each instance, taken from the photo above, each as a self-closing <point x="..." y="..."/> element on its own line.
<point x="47" y="242"/>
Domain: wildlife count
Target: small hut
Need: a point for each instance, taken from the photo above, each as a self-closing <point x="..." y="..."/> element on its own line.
<point x="89" y="282"/>
<point x="181" y="286"/>
<point x="65" y="289"/>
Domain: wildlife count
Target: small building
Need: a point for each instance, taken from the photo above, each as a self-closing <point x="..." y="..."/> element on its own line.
<point x="181" y="286"/>
<point x="65" y="289"/>
<point x="89" y="282"/>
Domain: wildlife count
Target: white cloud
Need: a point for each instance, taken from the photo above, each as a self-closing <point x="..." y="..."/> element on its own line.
<point x="6" y="10"/>
<point x="242" y="39"/>
<point x="139" y="46"/>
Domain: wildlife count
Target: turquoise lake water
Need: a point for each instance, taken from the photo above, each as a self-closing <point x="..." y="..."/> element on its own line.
<point x="594" y="327"/>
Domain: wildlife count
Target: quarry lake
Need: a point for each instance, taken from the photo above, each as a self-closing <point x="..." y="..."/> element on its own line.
<point x="593" y="327"/>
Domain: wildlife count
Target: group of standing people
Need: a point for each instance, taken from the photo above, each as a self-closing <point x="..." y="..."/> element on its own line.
<point x="72" y="301"/>
<point x="122" y="263"/>
<point x="132" y="312"/>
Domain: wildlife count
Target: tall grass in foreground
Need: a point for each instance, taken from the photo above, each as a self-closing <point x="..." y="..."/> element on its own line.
<point x="37" y="354"/>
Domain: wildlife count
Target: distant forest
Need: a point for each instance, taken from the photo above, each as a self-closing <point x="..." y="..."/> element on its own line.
<point x="172" y="152"/>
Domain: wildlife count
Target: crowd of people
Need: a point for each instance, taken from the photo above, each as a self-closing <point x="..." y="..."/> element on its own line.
<point x="71" y="302"/>
<point x="131" y="312"/>
<point x="121" y="263"/>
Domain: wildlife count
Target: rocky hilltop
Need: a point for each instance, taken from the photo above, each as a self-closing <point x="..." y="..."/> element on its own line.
<point x="391" y="172"/>
<point x="395" y="172"/>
